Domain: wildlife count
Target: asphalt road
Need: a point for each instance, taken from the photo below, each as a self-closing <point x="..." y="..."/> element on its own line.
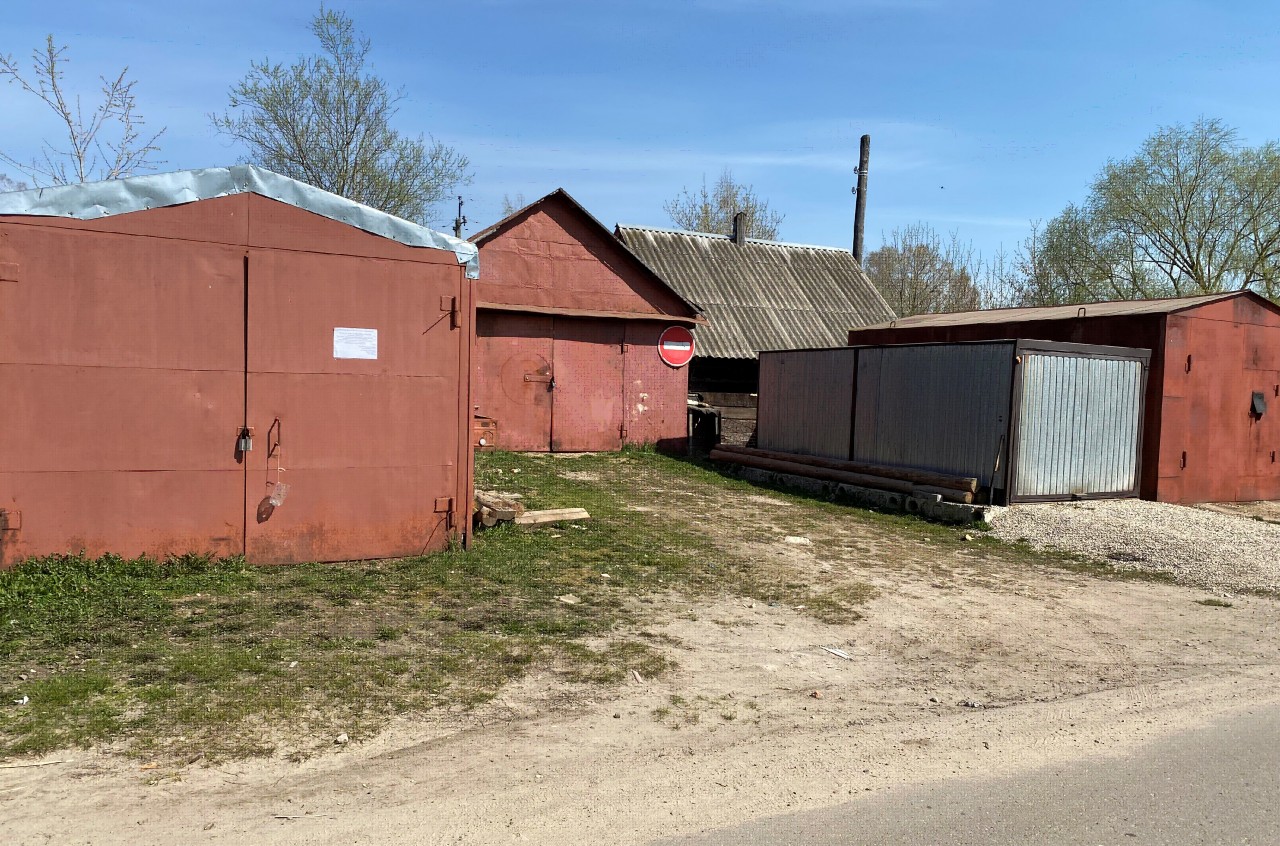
<point x="1217" y="785"/>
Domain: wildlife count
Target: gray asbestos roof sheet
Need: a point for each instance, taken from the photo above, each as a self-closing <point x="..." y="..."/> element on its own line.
<point x="761" y="295"/>
<point x="92" y="200"/>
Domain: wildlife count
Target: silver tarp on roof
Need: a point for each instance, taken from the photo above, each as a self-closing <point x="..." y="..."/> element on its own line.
<point x="93" y="200"/>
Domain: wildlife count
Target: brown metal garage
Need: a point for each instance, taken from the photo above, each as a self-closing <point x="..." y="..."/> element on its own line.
<point x="567" y="336"/>
<point x="174" y="347"/>
<point x="1212" y="426"/>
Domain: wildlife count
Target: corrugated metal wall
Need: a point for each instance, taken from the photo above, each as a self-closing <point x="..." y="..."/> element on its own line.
<point x="1076" y="412"/>
<point x="943" y="408"/>
<point x="805" y="401"/>
<point x="1078" y="425"/>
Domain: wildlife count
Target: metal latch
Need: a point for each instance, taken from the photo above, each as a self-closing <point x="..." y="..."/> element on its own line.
<point x="450" y="304"/>
<point x="444" y="505"/>
<point x="10" y="520"/>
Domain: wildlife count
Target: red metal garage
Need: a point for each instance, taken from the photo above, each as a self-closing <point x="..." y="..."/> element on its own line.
<point x="567" y="336"/>
<point x="173" y="347"/>
<point x="1212" y="426"/>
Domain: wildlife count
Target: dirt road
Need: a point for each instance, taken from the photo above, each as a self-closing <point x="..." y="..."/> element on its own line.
<point x="1212" y="786"/>
<point x="1064" y="667"/>
<point x="932" y="657"/>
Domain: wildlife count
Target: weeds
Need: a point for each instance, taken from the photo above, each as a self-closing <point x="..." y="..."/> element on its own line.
<point x="196" y="656"/>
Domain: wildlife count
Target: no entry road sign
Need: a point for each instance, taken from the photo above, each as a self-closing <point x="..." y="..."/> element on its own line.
<point x="676" y="346"/>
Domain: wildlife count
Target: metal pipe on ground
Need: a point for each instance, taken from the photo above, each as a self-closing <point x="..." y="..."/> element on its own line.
<point x="966" y="484"/>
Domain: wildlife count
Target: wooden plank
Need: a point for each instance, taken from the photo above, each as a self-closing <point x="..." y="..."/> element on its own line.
<point x="502" y="508"/>
<point x="554" y="515"/>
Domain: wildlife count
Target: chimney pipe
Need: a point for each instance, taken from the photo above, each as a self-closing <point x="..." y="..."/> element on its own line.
<point x="860" y="209"/>
<point x="739" y="228"/>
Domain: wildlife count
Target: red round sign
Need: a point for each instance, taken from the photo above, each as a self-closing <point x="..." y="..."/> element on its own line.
<point x="676" y="346"/>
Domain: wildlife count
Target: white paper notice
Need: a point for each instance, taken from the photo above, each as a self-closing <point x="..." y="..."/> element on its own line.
<point x="355" y="343"/>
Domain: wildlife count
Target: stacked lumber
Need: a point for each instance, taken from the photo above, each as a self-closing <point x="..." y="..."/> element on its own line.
<point x="492" y="508"/>
<point x="902" y="480"/>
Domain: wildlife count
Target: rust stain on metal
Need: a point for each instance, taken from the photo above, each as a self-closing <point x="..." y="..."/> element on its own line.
<point x="1199" y="442"/>
<point x="134" y="356"/>
<point x="513" y="377"/>
<point x="587" y="399"/>
<point x="580" y="369"/>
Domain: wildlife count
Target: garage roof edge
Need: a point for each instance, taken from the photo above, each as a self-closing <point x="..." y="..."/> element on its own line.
<point x="695" y="310"/>
<point x="94" y="200"/>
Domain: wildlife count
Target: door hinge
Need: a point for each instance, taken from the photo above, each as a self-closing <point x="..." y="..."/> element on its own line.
<point x="622" y="431"/>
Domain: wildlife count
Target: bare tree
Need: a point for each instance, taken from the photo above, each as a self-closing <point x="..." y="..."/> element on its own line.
<point x="918" y="272"/>
<point x="712" y="210"/>
<point x="325" y="121"/>
<point x="107" y="142"/>
<point x="7" y="184"/>
<point x="510" y="206"/>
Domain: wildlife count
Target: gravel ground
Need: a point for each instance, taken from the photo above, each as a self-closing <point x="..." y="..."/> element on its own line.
<point x="1222" y="552"/>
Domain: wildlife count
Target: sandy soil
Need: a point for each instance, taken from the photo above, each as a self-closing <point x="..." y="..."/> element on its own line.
<point x="955" y="669"/>
<point x="1267" y="510"/>
<point x="1082" y="669"/>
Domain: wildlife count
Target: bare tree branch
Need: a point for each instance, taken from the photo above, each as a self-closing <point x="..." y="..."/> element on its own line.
<point x="918" y="272"/>
<point x="713" y="210"/>
<point x="108" y="143"/>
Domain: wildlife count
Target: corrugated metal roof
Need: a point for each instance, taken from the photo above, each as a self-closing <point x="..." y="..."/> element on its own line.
<point x="761" y="295"/>
<point x="93" y="200"/>
<point x="1063" y="312"/>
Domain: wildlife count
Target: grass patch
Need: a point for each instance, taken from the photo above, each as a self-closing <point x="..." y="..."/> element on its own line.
<point x="199" y="656"/>
<point x="191" y="655"/>
<point x="1214" y="602"/>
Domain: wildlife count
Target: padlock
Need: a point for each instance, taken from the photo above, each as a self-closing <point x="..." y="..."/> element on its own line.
<point x="244" y="443"/>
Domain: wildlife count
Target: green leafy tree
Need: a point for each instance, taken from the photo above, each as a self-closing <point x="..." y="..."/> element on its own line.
<point x="324" y="120"/>
<point x="712" y="209"/>
<point x="106" y="141"/>
<point x="1192" y="212"/>
<point x="919" y="272"/>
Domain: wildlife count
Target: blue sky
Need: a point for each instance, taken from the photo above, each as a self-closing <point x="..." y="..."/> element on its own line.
<point x="983" y="115"/>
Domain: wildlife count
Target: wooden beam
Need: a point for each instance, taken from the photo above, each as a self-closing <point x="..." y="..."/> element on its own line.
<point x="529" y="519"/>
<point x="906" y="474"/>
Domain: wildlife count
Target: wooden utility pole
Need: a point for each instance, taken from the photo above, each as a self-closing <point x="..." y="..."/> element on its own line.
<point x="459" y="221"/>
<point x="860" y="210"/>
